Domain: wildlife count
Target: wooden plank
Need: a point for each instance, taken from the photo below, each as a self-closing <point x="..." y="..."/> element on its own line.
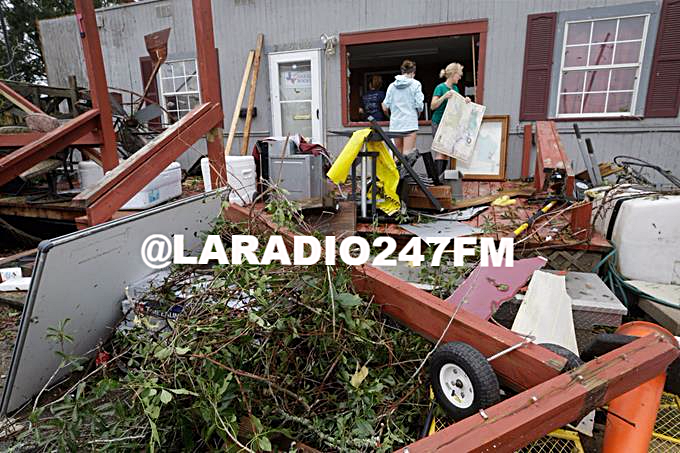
<point x="92" y="138"/>
<point x="239" y="101"/>
<point x="486" y="199"/>
<point x="417" y="198"/>
<point x="251" y="94"/>
<point x="515" y="422"/>
<point x="493" y="286"/>
<point x="46" y="146"/>
<point x="150" y="164"/>
<point x="17" y="256"/>
<point x="428" y="315"/>
<point x="526" y="150"/>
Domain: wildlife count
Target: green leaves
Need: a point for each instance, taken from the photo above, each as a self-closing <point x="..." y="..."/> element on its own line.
<point x="347" y="300"/>
<point x="165" y="397"/>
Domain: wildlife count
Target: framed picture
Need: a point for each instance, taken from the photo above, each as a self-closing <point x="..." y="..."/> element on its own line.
<point x="490" y="152"/>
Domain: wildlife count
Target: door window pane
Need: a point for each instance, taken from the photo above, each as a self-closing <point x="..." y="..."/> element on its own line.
<point x="295" y="81"/>
<point x="296" y="118"/>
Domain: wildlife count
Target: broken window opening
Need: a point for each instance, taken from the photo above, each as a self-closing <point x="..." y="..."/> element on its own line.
<point x="179" y="88"/>
<point x="431" y="55"/>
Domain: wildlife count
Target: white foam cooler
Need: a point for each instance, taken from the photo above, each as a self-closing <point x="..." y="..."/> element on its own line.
<point x="646" y="233"/>
<point x="164" y="187"/>
<point x="242" y="178"/>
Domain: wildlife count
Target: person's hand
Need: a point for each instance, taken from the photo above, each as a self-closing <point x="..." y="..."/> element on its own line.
<point x="448" y="94"/>
<point x="467" y="100"/>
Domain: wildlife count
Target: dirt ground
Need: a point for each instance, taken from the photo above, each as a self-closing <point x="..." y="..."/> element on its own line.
<point x="9" y="324"/>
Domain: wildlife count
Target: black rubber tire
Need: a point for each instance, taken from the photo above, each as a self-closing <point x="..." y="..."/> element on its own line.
<point x="573" y="361"/>
<point x="474" y="364"/>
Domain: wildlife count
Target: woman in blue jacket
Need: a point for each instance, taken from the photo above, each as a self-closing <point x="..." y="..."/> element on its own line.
<point x="404" y="103"/>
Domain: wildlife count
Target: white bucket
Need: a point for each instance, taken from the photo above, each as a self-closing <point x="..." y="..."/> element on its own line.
<point x="90" y="173"/>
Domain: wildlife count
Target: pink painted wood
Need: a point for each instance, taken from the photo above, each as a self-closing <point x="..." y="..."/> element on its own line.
<point x="488" y="287"/>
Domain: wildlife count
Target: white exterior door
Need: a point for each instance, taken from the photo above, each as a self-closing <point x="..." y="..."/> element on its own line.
<point x="295" y="81"/>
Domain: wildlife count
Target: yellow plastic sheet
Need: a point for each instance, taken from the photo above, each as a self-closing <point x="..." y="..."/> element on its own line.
<point x="388" y="175"/>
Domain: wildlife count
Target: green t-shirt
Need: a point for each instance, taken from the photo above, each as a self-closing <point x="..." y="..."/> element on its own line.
<point x="441" y="90"/>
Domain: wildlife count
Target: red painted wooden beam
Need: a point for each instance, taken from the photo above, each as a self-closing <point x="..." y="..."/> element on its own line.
<point x="96" y="75"/>
<point x="92" y="194"/>
<point x="208" y="70"/>
<point x="512" y="424"/>
<point x="18" y="100"/>
<point x="19" y="140"/>
<point x="133" y="174"/>
<point x="46" y="146"/>
<point x="526" y="150"/>
<point x="428" y="315"/>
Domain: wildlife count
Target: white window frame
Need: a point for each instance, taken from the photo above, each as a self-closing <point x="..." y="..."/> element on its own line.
<point x="162" y="94"/>
<point x="637" y="66"/>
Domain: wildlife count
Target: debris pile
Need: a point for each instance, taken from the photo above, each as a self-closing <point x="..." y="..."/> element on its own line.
<point x="299" y="357"/>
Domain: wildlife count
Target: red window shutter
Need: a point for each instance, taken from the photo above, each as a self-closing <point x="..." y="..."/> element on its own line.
<point x="146" y="64"/>
<point x="663" y="95"/>
<point x="538" y="58"/>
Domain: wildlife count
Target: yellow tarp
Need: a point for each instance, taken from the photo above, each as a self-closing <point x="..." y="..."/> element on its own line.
<point x="388" y="175"/>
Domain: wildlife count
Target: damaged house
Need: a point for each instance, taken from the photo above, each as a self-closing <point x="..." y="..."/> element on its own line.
<point x="611" y="66"/>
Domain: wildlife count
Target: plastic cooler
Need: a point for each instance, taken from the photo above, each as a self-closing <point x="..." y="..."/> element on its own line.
<point x="164" y="187"/>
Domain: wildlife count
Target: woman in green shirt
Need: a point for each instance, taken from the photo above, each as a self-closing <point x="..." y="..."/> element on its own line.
<point x="442" y="92"/>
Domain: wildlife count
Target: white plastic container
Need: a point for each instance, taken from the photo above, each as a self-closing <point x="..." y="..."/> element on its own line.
<point x="90" y="173"/>
<point x="164" y="187"/>
<point x="205" y="172"/>
<point x="242" y="178"/>
<point x="647" y="235"/>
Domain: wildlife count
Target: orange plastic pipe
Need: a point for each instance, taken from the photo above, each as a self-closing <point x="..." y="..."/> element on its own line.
<point x="638" y="406"/>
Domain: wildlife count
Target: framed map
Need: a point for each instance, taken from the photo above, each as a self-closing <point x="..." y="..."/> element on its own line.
<point x="490" y="153"/>
<point x="458" y="129"/>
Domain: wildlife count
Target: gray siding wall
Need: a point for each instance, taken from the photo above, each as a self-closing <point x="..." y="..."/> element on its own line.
<point x="298" y="24"/>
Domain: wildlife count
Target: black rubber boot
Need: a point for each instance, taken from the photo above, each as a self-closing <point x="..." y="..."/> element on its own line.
<point x="442" y="165"/>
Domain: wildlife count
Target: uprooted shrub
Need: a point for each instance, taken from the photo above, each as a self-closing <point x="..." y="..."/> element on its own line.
<point x="259" y="358"/>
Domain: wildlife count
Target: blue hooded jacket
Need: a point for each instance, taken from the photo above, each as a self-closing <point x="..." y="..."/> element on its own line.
<point x="405" y="99"/>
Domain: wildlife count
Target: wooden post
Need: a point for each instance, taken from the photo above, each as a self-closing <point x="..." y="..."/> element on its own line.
<point x="208" y="73"/>
<point x="251" y="95"/>
<point x="96" y="74"/>
<point x="239" y="101"/>
<point x="526" y="150"/>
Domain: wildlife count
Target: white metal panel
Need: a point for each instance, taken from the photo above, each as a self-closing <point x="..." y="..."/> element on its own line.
<point x="82" y="277"/>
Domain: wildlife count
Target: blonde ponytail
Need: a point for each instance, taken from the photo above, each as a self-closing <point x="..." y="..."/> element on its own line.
<point x="451" y="69"/>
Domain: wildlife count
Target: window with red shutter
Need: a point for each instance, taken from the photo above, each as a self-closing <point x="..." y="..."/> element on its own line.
<point x="663" y="96"/>
<point x="538" y="59"/>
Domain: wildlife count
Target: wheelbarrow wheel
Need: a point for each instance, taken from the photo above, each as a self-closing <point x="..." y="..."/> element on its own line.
<point x="573" y="361"/>
<point x="462" y="380"/>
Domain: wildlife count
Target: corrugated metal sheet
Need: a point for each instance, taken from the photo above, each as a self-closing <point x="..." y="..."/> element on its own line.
<point x="298" y="24"/>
